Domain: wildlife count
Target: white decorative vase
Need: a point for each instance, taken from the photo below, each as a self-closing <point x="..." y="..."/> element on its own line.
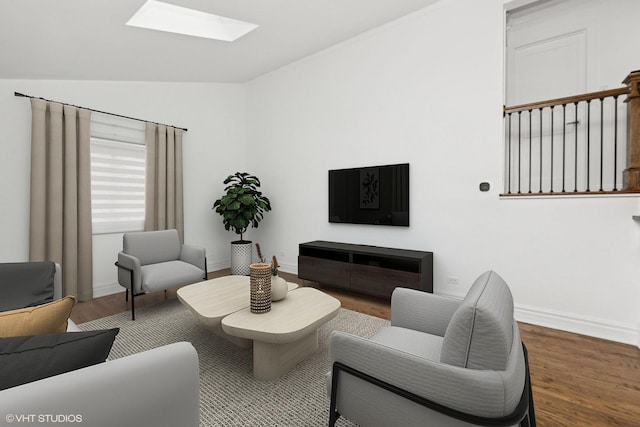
<point x="241" y="254"/>
<point x="279" y="288"/>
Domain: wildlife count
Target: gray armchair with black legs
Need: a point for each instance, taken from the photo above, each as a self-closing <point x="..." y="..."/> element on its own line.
<point x="441" y="362"/>
<point x="155" y="261"/>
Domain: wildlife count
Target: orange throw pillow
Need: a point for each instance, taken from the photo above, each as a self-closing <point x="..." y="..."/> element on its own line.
<point x="50" y="318"/>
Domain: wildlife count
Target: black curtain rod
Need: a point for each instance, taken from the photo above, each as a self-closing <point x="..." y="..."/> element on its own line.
<point x="96" y="111"/>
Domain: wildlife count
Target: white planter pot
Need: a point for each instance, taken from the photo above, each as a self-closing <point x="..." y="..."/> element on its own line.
<point x="241" y="255"/>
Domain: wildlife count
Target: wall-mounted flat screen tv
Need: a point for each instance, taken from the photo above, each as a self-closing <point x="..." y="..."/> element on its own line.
<point x="370" y="195"/>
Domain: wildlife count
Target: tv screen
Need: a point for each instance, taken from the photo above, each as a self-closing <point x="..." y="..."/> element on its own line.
<point x="370" y="195"/>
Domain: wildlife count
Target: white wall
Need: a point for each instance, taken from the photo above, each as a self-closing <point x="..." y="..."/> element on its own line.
<point x="428" y="90"/>
<point x="214" y="147"/>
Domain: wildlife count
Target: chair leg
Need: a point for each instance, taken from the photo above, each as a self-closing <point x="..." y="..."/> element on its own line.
<point x="133" y="306"/>
<point x="531" y="416"/>
<point x="333" y="413"/>
<point x="126" y="292"/>
<point x="530" y="419"/>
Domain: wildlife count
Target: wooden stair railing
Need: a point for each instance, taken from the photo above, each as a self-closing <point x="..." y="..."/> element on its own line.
<point x="632" y="172"/>
<point x="546" y="169"/>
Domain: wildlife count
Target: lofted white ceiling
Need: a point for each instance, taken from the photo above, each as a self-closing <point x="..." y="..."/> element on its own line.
<point x="88" y="39"/>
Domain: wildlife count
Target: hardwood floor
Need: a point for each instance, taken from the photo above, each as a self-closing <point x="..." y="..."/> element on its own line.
<point x="577" y="380"/>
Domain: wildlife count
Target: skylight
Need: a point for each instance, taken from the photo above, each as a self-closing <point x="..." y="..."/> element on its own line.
<point x="156" y="15"/>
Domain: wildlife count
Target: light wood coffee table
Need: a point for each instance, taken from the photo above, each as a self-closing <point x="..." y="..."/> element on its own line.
<point x="212" y="300"/>
<point x="286" y="335"/>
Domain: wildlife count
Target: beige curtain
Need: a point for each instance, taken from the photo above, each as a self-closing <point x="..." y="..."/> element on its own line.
<point x="60" y="213"/>
<point x="163" y="195"/>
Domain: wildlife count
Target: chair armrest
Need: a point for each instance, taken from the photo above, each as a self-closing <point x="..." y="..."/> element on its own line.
<point x="57" y="283"/>
<point x="194" y="255"/>
<point x="57" y="294"/>
<point x="126" y="265"/>
<point x="422" y="311"/>
<point x="159" y="387"/>
<point x="478" y="392"/>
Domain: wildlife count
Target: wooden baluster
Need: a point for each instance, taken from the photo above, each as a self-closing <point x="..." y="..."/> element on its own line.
<point x="632" y="172"/>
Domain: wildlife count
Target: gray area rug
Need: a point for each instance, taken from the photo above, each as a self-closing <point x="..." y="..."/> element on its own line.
<point x="229" y="395"/>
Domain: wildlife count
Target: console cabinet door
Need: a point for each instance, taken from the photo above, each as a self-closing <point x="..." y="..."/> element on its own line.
<point x="334" y="273"/>
<point x="381" y="281"/>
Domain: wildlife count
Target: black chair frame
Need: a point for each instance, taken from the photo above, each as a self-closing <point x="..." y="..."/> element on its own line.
<point x="523" y="414"/>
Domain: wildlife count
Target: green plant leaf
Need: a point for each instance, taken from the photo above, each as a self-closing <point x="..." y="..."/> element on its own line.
<point x="242" y="205"/>
<point x="247" y="200"/>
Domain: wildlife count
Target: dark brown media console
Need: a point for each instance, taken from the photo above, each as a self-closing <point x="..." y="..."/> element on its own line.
<point x="370" y="270"/>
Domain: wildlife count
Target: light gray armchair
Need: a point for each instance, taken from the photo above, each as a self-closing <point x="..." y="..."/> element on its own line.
<point x="441" y="362"/>
<point x="155" y="261"/>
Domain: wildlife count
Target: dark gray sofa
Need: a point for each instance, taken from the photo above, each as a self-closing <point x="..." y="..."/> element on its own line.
<point x="159" y="387"/>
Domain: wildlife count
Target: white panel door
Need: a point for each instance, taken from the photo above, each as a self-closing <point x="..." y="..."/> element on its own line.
<point x="546" y="68"/>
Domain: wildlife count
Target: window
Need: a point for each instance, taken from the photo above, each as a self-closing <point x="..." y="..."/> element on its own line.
<point x="117" y="174"/>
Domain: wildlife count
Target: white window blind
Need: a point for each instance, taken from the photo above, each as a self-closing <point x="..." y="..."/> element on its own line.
<point x="117" y="174"/>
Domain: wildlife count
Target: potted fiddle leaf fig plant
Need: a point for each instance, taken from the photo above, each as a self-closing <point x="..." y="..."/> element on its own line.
<point x="243" y="205"/>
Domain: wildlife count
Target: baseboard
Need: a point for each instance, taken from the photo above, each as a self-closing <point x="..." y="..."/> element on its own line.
<point x="584" y="325"/>
<point x="288" y="268"/>
<point x="221" y="265"/>
<point x="218" y="265"/>
<point x="106" y="289"/>
<point x="593" y="327"/>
